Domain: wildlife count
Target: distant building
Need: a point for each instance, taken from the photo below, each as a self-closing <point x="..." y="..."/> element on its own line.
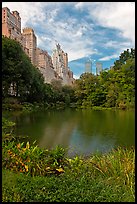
<point x="98" y="68"/>
<point x="88" y="66"/>
<point x="60" y="64"/>
<point x="52" y="68"/>
<point x="11" y="24"/>
<point x="45" y="65"/>
<point x="30" y="43"/>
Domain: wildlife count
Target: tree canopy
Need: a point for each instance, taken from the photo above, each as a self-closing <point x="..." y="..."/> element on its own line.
<point x="112" y="88"/>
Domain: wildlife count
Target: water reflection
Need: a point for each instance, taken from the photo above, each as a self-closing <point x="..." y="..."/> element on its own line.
<point x="83" y="131"/>
<point x="59" y="135"/>
<point x="83" y="145"/>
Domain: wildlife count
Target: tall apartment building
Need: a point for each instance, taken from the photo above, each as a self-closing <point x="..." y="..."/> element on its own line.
<point x="98" y="68"/>
<point x="55" y="67"/>
<point x="45" y="65"/>
<point x="88" y="67"/>
<point x="11" y="24"/>
<point x="60" y="64"/>
<point x="30" y="42"/>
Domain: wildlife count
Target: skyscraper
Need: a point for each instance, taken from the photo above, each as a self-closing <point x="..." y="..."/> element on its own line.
<point x="11" y="24"/>
<point x="88" y="67"/>
<point x="60" y="64"/>
<point x="55" y="68"/>
<point x="30" y="42"/>
<point x="98" y="68"/>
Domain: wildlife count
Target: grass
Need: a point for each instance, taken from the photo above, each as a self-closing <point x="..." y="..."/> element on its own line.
<point x="32" y="174"/>
<point x="99" y="178"/>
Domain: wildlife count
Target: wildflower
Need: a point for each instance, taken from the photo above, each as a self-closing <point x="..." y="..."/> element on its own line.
<point x="26" y="167"/>
<point x="9" y="152"/>
<point x="60" y="170"/>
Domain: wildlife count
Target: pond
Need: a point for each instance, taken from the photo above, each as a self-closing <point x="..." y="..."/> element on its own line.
<point x="83" y="132"/>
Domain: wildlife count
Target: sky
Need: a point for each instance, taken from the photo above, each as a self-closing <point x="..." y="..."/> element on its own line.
<point x="87" y="31"/>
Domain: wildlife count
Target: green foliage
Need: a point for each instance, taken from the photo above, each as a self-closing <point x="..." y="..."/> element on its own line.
<point x="32" y="160"/>
<point x="7" y="126"/>
<point x="27" y="81"/>
<point x="126" y="55"/>
<point x="17" y="70"/>
<point x="99" y="178"/>
<point x="33" y="174"/>
<point x="11" y="103"/>
<point x="7" y="130"/>
<point x="112" y="88"/>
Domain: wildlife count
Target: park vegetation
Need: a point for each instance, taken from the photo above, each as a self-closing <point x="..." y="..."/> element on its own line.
<point x="32" y="174"/>
<point x="112" y="88"/>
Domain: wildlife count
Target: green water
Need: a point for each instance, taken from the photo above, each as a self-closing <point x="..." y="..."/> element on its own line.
<point x="82" y="131"/>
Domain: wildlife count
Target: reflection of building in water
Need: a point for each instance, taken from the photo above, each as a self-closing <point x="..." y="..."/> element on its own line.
<point x="98" y="68"/>
<point x="59" y="135"/>
<point x="88" y="67"/>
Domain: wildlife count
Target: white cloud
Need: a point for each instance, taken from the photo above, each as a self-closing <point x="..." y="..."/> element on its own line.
<point x="115" y="44"/>
<point x="76" y="35"/>
<point x="70" y="36"/>
<point x="107" y="58"/>
<point x="29" y="11"/>
<point x="41" y="16"/>
<point x="76" y="76"/>
<point x="118" y="15"/>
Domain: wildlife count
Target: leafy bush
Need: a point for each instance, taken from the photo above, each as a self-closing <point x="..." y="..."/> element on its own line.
<point x="99" y="178"/>
<point x="7" y="129"/>
<point x="33" y="160"/>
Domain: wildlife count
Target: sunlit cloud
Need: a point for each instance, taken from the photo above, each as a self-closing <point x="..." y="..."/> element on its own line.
<point x="101" y="30"/>
<point x="107" y="58"/>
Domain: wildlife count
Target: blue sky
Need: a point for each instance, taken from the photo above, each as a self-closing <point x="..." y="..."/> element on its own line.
<point x="96" y="31"/>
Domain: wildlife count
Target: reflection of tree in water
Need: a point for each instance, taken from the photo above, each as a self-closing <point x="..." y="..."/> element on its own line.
<point x="82" y="130"/>
<point x="96" y="123"/>
<point x="108" y="125"/>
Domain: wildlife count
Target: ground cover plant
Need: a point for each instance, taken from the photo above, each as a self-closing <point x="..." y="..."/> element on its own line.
<point x="32" y="174"/>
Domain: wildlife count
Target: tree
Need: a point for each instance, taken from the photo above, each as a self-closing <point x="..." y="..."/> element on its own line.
<point x="123" y="58"/>
<point x="18" y="70"/>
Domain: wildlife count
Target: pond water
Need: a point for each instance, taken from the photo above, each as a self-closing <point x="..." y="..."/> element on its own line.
<point x="81" y="131"/>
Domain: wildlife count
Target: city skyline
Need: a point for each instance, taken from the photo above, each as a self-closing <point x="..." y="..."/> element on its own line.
<point x="82" y="28"/>
<point x="52" y="68"/>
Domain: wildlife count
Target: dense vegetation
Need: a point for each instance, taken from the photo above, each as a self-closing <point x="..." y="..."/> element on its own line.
<point x="112" y="88"/>
<point x="31" y="174"/>
<point x="28" y="82"/>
